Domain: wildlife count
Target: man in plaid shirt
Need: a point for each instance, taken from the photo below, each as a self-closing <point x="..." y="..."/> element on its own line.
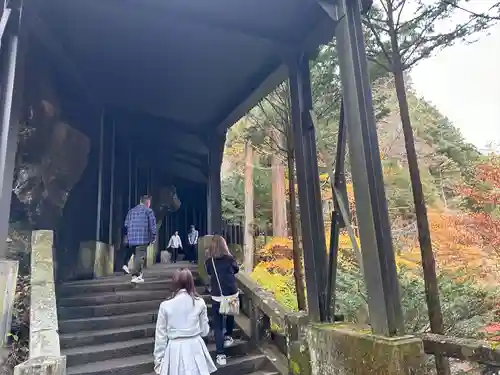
<point x="140" y="229"/>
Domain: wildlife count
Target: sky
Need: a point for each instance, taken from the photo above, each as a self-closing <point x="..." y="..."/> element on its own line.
<point x="463" y="82"/>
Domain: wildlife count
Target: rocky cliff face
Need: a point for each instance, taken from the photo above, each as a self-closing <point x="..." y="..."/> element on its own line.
<point x="50" y="160"/>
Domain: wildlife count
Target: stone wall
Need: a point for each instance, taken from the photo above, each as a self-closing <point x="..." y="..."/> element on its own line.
<point x="344" y="349"/>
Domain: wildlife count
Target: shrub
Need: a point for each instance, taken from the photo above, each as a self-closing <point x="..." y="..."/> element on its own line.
<point x="18" y="344"/>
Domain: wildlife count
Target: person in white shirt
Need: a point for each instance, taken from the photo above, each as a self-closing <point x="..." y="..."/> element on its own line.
<point x="193" y="242"/>
<point x="181" y="324"/>
<point x="175" y="244"/>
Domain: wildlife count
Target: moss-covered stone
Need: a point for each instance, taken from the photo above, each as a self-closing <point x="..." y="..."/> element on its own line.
<point x="349" y="350"/>
<point x="299" y="361"/>
<point x="95" y="259"/>
<point x="203" y="244"/>
<point x="42" y="366"/>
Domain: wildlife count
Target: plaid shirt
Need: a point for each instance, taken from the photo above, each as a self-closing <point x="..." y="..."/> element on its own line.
<point x="140" y="225"/>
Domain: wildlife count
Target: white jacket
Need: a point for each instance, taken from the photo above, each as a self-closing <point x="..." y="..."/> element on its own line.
<point x="175" y="242"/>
<point x="181" y="321"/>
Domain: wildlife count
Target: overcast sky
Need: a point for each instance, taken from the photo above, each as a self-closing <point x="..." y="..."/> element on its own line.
<point x="463" y="82"/>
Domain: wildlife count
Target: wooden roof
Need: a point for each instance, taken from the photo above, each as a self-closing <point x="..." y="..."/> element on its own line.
<point x="191" y="65"/>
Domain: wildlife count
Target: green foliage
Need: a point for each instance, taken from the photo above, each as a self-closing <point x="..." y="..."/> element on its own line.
<point x="402" y="32"/>
<point x="18" y="346"/>
<point x="466" y="306"/>
<point x="281" y="286"/>
<point x="233" y="196"/>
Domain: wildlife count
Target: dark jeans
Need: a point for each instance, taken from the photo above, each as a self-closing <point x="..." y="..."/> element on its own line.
<point x="218" y="327"/>
<point x="129" y="251"/>
<point x="139" y="252"/>
<point x="192" y="253"/>
<point x="175" y="252"/>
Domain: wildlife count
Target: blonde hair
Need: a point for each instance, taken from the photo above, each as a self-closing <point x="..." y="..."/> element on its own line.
<point x="218" y="248"/>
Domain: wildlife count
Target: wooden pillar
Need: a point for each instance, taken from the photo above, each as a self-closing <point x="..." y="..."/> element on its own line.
<point x="379" y="269"/>
<point x="112" y="183"/>
<point x="311" y="215"/>
<point x="12" y="82"/>
<point x="214" y="197"/>
<point x="100" y="172"/>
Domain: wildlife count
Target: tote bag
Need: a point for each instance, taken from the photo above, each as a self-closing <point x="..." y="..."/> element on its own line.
<point x="229" y="305"/>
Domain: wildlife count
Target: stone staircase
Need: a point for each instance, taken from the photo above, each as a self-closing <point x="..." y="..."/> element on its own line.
<point x="107" y="327"/>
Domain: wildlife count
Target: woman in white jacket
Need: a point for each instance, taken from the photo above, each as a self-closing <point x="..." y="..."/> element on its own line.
<point x="181" y="324"/>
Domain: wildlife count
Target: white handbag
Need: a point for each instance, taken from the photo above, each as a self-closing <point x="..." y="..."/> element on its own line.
<point x="229" y="305"/>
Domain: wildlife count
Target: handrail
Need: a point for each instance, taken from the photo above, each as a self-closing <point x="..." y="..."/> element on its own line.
<point x="460" y="348"/>
<point x="263" y="309"/>
<point x="262" y="299"/>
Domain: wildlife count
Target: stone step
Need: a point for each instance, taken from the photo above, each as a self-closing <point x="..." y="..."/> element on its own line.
<point x="125" y="349"/>
<point x="77" y="339"/>
<point x="74" y="326"/>
<point x="114" y="309"/>
<point x="102" y="323"/>
<point x="85" y="338"/>
<point x="113" y="285"/>
<point x="143" y="364"/>
<point x="122" y="276"/>
<point x="119" y="297"/>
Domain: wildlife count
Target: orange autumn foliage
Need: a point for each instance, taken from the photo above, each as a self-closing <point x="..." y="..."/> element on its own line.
<point x="484" y="197"/>
<point x="276" y="254"/>
<point x="486" y="187"/>
<point x="456" y="247"/>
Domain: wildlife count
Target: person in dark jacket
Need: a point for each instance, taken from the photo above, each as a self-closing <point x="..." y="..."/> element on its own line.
<point x="226" y="267"/>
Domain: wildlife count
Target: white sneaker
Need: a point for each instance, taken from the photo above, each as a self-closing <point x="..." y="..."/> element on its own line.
<point x="221" y="359"/>
<point x="228" y="341"/>
<point x="125" y="269"/>
<point x="137" y="279"/>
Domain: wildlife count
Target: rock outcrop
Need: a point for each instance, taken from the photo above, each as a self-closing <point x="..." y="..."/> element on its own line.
<point x="51" y="158"/>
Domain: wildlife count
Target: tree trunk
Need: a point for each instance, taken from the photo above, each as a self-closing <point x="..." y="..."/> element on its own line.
<point x="298" y="272"/>
<point x="278" y="192"/>
<point x="424" y="235"/>
<point x="248" y="240"/>
<point x="443" y="194"/>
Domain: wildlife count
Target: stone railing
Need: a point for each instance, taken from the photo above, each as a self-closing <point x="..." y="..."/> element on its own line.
<point x="45" y="353"/>
<point x="269" y="319"/>
<point x="469" y="350"/>
<point x="314" y="348"/>
<point x="262" y="308"/>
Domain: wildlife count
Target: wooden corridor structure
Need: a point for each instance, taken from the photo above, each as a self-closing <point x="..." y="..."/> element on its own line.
<point x="103" y="101"/>
<point x="153" y="86"/>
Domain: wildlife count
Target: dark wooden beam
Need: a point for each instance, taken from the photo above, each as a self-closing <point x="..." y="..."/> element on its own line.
<point x="129" y="115"/>
<point x="182" y="15"/>
<point x="164" y="158"/>
<point x="272" y="76"/>
<point x="186" y="172"/>
<point x="191" y="154"/>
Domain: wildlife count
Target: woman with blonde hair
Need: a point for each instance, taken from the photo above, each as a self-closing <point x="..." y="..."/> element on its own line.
<point x="221" y="267"/>
<point x="182" y="321"/>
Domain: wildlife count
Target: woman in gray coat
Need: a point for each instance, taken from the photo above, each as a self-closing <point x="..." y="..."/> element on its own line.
<point x="181" y="324"/>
